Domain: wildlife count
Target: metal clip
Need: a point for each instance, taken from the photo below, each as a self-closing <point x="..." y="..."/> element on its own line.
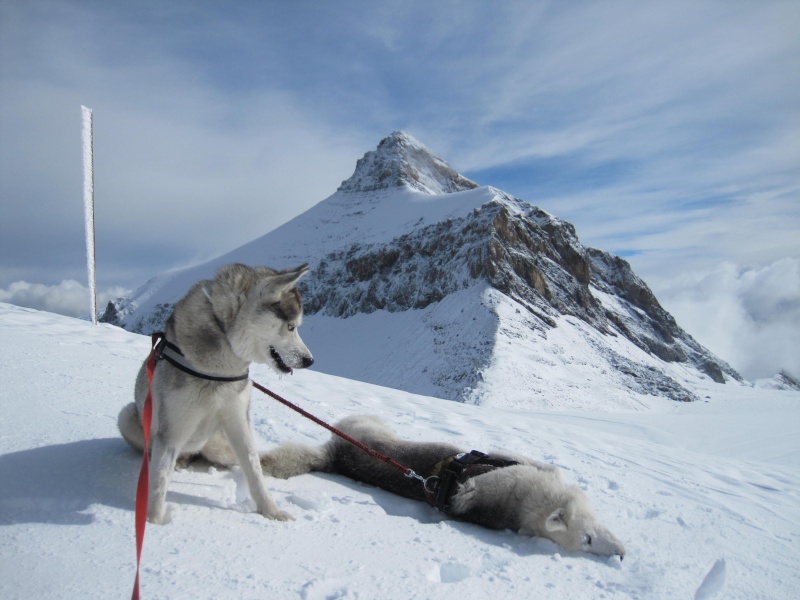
<point x="434" y="484"/>
<point x="412" y="475"/>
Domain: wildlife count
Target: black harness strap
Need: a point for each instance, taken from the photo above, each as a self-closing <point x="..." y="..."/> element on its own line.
<point x="173" y="355"/>
<point x="447" y="475"/>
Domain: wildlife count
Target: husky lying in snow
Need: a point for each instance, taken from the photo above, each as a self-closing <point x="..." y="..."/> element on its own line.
<point x="528" y="497"/>
<point x="201" y="390"/>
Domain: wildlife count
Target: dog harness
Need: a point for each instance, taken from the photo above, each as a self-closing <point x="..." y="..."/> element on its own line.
<point x="447" y="475"/>
<point x="173" y="355"/>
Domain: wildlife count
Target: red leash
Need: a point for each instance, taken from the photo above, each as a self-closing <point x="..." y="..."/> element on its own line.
<point x="143" y="489"/>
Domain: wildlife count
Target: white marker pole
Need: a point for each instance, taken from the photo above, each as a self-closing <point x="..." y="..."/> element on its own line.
<point x="88" y="204"/>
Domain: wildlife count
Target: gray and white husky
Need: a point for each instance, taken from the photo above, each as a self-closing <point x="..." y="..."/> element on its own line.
<point x="528" y="496"/>
<point x="201" y="392"/>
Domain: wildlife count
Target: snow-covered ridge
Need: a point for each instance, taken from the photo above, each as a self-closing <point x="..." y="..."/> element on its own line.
<point x="405" y="237"/>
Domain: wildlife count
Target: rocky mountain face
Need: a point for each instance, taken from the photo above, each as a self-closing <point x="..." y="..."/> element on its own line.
<point x="482" y="279"/>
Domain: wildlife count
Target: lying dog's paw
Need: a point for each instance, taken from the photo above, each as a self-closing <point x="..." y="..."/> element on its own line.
<point x="278" y="470"/>
<point x="290" y="460"/>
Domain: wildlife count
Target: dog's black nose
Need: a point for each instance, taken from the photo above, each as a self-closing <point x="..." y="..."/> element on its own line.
<point x="308" y="361"/>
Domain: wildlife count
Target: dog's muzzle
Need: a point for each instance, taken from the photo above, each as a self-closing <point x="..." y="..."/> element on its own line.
<point x="306" y="361"/>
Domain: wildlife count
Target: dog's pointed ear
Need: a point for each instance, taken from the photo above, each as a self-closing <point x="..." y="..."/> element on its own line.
<point x="229" y="289"/>
<point x="235" y="278"/>
<point x="556" y="522"/>
<point x="285" y="280"/>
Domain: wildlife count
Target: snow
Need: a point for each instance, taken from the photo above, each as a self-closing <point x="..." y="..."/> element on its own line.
<point x="435" y="334"/>
<point x="704" y="495"/>
<point x="713" y="583"/>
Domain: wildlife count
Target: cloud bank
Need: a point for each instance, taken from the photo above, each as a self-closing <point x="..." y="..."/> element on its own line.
<point x="750" y="317"/>
<point x="66" y="298"/>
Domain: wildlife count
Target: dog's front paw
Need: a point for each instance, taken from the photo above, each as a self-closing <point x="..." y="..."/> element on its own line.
<point x="160" y="517"/>
<point x="278" y="515"/>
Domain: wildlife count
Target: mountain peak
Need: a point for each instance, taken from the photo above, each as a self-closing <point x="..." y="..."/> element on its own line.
<point x="400" y="160"/>
<point x="489" y="299"/>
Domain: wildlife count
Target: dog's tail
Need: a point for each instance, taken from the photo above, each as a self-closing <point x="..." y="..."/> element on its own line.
<point x="290" y="460"/>
<point x="130" y="426"/>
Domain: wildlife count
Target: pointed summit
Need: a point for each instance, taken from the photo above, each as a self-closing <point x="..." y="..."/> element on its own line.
<point x="402" y="161"/>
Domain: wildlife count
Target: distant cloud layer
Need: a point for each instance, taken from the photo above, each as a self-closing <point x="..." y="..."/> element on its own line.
<point x="66" y="298"/>
<point x="750" y="317"/>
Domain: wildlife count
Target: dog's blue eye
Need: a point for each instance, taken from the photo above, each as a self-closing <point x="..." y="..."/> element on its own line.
<point x="292" y="327"/>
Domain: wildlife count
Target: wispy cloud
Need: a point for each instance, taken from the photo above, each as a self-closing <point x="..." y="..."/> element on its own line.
<point x="667" y="132"/>
<point x="185" y="168"/>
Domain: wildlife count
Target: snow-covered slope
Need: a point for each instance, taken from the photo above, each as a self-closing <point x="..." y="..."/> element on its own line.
<point x="423" y="281"/>
<point x="705" y="495"/>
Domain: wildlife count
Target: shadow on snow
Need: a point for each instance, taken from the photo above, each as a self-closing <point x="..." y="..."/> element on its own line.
<point x="58" y="484"/>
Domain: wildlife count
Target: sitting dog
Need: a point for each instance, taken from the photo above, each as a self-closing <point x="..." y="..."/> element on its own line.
<point x="498" y="491"/>
<point x="200" y="387"/>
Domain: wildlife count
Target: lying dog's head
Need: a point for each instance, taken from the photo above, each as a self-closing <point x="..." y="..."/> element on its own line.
<point x="261" y="311"/>
<point x="543" y="505"/>
<point x="550" y="508"/>
<point x="575" y="527"/>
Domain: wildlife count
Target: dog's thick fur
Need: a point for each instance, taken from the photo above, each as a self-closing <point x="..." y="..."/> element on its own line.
<point x="530" y="498"/>
<point x="244" y="315"/>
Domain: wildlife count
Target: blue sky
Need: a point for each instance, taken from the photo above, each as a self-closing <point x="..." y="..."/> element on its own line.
<point x="668" y="133"/>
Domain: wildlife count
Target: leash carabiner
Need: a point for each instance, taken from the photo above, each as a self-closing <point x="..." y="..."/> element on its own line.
<point x="412" y="475"/>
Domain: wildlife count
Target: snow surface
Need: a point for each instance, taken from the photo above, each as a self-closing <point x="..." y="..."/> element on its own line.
<point x="526" y="368"/>
<point x="704" y="495"/>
